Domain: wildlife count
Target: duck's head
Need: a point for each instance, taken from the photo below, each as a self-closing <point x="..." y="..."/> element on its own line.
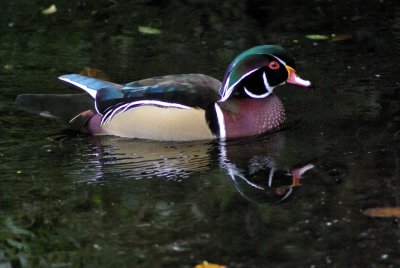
<point x="257" y="71"/>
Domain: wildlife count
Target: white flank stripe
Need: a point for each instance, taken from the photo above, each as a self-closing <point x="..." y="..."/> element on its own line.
<point x="125" y="107"/>
<point x="221" y="121"/>
<point x="158" y="103"/>
<point x="91" y="92"/>
<point x="111" y="113"/>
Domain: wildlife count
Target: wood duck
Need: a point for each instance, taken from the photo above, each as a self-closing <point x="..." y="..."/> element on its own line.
<point x="178" y="107"/>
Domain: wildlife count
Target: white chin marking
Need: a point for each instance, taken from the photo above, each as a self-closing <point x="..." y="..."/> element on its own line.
<point x="221" y="122"/>
<point x="268" y="88"/>
<point x="255" y="95"/>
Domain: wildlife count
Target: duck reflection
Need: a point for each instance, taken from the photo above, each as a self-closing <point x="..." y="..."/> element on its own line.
<point x="255" y="172"/>
<point x="143" y="159"/>
<point x="253" y="165"/>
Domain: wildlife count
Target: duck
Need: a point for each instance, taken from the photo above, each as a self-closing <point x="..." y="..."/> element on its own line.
<point x="178" y="107"/>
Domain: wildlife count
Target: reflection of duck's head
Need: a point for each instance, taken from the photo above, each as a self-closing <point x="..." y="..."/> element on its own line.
<point x="252" y="165"/>
<point x="266" y="184"/>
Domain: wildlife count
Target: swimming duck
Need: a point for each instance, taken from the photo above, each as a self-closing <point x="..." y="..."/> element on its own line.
<point x="178" y="107"/>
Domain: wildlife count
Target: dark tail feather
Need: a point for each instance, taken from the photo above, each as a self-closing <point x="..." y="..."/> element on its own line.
<point x="64" y="107"/>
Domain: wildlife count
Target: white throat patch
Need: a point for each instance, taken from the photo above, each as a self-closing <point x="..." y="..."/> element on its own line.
<point x="268" y="88"/>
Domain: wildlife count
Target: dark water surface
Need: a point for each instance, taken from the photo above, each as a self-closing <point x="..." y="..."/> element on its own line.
<point x="69" y="200"/>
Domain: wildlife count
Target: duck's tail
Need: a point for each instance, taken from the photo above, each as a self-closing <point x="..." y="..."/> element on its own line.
<point x="72" y="109"/>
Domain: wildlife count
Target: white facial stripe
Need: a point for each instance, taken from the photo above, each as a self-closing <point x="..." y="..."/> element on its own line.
<point x="91" y="92"/>
<point x="227" y="92"/>
<point x="281" y="61"/>
<point x="110" y="114"/>
<point x="221" y="122"/>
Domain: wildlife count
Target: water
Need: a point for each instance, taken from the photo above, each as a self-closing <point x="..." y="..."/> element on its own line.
<point x="69" y="200"/>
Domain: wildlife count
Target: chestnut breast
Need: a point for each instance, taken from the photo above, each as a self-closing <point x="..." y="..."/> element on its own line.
<point x="249" y="117"/>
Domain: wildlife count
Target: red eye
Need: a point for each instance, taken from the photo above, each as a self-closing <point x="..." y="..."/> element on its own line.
<point x="280" y="191"/>
<point x="273" y="65"/>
